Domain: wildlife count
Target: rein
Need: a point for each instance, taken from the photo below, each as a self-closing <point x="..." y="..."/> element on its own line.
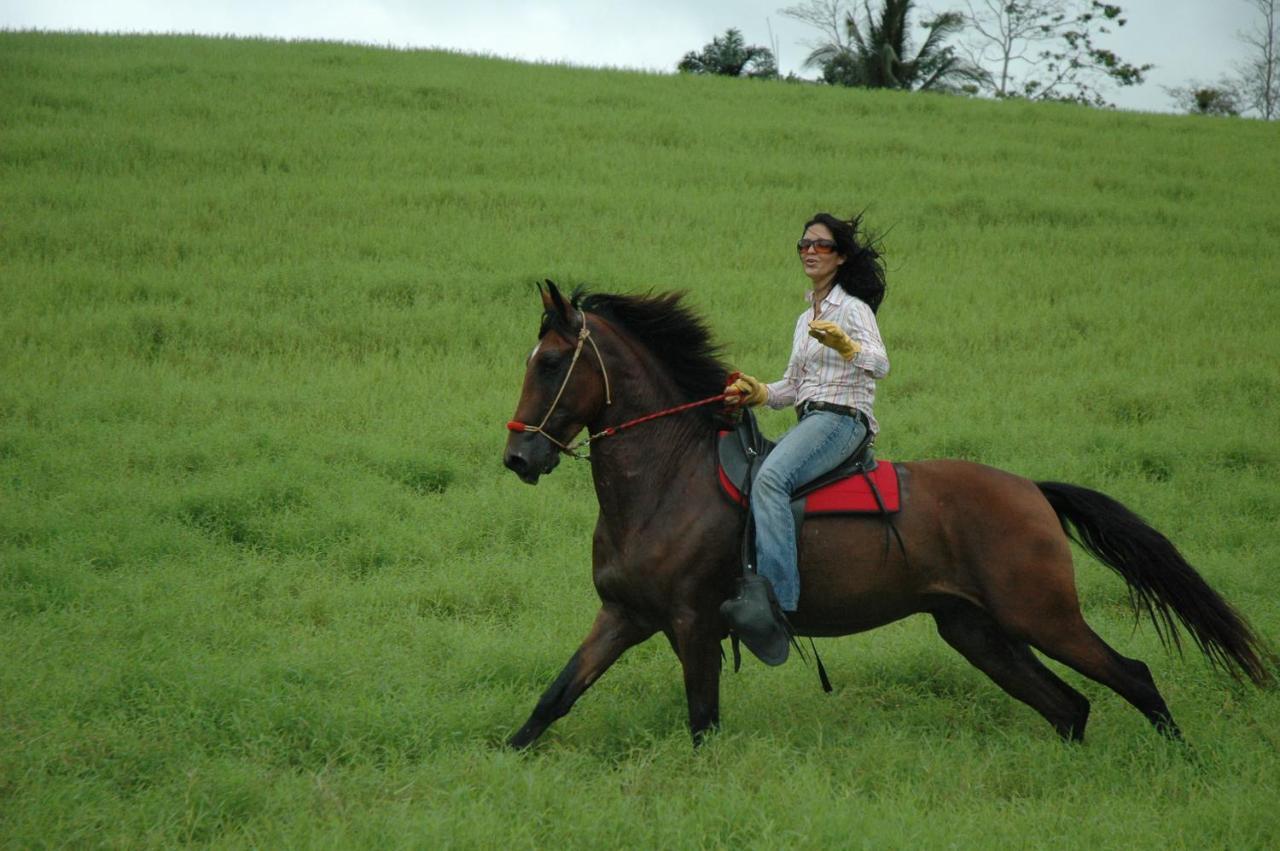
<point x="584" y="336"/>
<point x="665" y="412"/>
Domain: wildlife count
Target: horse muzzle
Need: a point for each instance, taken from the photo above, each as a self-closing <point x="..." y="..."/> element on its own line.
<point x="530" y="462"/>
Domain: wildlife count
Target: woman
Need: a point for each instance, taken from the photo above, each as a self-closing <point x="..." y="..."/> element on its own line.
<point x="836" y="357"/>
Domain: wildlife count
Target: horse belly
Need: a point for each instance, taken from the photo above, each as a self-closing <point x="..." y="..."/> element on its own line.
<point x="853" y="577"/>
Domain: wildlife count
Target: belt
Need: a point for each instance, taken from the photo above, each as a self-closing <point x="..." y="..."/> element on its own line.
<point x="811" y="406"/>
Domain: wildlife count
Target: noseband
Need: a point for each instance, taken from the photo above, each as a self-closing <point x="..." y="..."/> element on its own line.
<point x="584" y="336"/>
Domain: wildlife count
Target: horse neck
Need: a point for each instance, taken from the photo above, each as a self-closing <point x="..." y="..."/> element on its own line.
<point x="635" y="469"/>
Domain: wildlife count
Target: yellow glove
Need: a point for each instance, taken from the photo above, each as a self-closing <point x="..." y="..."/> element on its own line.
<point x="833" y="336"/>
<point x="746" y="391"/>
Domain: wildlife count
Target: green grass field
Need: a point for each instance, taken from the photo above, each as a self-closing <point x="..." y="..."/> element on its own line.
<point x="264" y="581"/>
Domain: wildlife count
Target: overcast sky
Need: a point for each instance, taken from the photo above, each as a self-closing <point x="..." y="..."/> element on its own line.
<point x="1184" y="39"/>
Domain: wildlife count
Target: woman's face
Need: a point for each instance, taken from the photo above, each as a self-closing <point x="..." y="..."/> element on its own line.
<point x="820" y="268"/>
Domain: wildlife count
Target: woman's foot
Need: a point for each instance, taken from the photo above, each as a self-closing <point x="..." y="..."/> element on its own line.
<point x="753" y="613"/>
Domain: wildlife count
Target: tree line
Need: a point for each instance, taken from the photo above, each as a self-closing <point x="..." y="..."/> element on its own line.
<point x="1031" y="49"/>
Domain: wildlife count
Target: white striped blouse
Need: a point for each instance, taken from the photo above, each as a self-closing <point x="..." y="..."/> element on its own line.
<point x="818" y="373"/>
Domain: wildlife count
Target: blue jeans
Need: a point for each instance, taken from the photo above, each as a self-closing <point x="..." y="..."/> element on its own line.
<point x="815" y="446"/>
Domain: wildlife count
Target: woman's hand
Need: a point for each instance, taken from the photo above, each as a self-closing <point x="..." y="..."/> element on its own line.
<point x="746" y="391"/>
<point x="833" y="336"/>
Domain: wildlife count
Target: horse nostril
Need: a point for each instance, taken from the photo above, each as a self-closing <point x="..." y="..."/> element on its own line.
<point x="516" y="463"/>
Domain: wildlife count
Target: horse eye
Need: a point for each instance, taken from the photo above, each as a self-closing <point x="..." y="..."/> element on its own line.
<point x="551" y="362"/>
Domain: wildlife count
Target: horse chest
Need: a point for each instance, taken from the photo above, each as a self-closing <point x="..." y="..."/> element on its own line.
<point x="619" y="582"/>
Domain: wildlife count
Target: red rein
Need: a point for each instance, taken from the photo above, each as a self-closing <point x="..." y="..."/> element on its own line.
<point x="514" y="425"/>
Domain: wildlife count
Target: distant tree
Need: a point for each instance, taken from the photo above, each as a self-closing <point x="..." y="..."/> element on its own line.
<point x="730" y="56"/>
<point x="1259" y="73"/>
<point x="1046" y="49"/>
<point x="1221" y="98"/>
<point x="876" y="52"/>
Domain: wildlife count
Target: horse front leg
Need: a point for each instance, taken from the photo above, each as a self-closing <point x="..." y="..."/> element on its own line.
<point x="697" y="643"/>
<point x="611" y="634"/>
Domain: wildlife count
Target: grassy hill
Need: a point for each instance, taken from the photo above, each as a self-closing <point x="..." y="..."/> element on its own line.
<point x="263" y="580"/>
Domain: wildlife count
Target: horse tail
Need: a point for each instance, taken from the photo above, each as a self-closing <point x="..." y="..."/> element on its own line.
<point x="1160" y="580"/>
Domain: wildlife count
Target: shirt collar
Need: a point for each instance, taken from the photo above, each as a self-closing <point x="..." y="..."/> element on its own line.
<point x="835" y="296"/>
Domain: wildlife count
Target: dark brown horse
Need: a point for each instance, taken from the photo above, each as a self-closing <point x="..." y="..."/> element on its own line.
<point x="984" y="551"/>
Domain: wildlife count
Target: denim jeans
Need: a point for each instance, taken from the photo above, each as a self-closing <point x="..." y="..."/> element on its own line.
<point x="815" y="446"/>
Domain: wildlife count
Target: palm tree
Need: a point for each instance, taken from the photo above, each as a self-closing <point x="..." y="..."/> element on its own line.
<point x="730" y="56"/>
<point x="876" y="52"/>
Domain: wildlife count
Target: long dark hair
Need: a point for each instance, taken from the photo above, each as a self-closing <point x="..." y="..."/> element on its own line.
<point x="861" y="274"/>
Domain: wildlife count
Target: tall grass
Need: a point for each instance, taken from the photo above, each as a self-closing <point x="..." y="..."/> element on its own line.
<point x="263" y="580"/>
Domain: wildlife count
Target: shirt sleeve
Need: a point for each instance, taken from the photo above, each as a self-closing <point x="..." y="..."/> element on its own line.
<point x="782" y="393"/>
<point x="861" y="326"/>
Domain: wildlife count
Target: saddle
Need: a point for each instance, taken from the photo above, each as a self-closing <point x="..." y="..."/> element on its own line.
<point x="858" y="485"/>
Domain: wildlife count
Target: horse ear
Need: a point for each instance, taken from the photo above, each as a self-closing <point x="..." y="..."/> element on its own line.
<point x="553" y="300"/>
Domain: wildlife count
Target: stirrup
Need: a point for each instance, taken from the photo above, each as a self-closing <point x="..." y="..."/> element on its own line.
<point x="754" y="614"/>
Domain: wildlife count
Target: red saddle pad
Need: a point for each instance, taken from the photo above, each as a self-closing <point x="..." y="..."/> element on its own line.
<point x="851" y="495"/>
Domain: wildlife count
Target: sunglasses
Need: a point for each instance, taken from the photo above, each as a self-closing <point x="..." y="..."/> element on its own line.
<point x="822" y="246"/>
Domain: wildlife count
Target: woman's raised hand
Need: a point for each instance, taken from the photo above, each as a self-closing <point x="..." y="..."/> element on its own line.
<point x="833" y="336"/>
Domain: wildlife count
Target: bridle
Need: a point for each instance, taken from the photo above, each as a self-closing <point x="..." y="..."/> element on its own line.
<point x="584" y="337"/>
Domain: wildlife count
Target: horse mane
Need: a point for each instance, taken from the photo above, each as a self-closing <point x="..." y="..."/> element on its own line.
<point x="676" y="335"/>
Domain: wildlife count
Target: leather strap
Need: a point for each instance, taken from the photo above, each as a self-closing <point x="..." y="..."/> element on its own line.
<point x="830" y="407"/>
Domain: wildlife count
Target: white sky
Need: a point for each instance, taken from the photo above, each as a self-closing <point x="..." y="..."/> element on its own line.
<point x="1185" y="39"/>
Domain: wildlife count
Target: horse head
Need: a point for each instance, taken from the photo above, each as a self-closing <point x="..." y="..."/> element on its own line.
<point x="564" y="389"/>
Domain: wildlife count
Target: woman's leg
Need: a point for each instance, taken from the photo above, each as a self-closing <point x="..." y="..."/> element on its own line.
<point x="816" y="445"/>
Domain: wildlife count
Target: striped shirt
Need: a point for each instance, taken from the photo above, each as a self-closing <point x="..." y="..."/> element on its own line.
<point x="818" y="373"/>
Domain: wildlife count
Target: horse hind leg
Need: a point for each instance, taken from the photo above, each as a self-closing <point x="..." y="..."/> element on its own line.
<point x="1047" y="615"/>
<point x="1073" y="643"/>
<point x="1035" y="601"/>
<point x="1012" y="666"/>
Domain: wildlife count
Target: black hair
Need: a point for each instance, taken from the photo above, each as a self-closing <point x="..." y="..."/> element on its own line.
<point x="861" y="274"/>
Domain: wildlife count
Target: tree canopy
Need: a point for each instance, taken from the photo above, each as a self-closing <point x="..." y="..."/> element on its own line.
<point x="877" y="51"/>
<point x="1220" y="98"/>
<point x="730" y="56"/>
<point x="1046" y="49"/>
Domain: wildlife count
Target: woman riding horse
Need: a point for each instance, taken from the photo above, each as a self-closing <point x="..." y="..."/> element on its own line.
<point x="836" y="358"/>
<point x="984" y="553"/>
